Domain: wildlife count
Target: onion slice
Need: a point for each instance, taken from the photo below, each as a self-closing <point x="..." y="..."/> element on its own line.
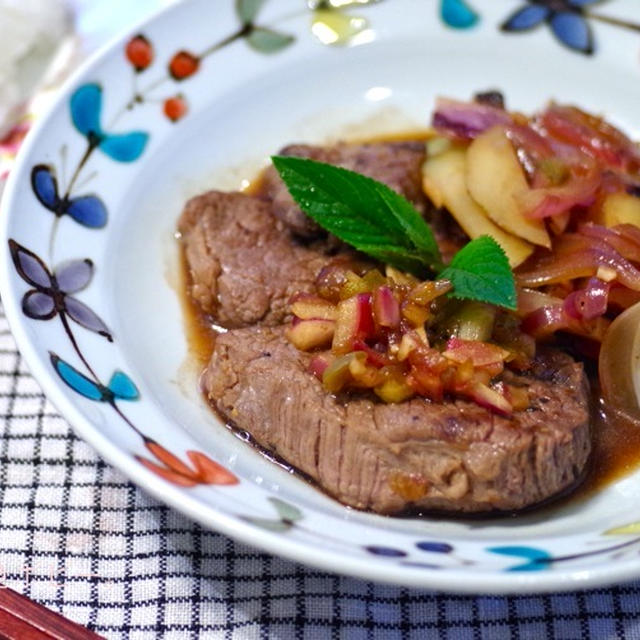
<point x="579" y="190"/>
<point x="578" y="256"/>
<point x="590" y="302"/>
<point x="530" y="300"/>
<point x="624" y="238"/>
<point x="592" y="135"/>
<point x="466" y="120"/>
<point x="545" y="321"/>
<point x="619" y="364"/>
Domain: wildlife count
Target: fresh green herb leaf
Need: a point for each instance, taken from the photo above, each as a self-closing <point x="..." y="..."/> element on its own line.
<point x="481" y="271"/>
<point x="376" y="220"/>
<point x="362" y="212"/>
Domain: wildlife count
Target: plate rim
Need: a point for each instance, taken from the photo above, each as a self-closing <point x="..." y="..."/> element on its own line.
<point x="450" y="579"/>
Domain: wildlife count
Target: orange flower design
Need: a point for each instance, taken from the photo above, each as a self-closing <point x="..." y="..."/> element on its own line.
<point x="204" y="471"/>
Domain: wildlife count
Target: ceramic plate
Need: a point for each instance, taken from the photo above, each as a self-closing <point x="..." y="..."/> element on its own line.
<point x="199" y="97"/>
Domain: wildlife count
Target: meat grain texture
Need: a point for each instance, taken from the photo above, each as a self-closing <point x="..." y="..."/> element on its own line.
<point x="243" y="265"/>
<point x="245" y="260"/>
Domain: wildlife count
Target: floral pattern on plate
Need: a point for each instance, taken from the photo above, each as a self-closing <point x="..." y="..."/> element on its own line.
<point x="567" y="19"/>
<point x="50" y="289"/>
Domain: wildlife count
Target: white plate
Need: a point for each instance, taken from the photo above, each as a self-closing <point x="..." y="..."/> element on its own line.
<point x="242" y="105"/>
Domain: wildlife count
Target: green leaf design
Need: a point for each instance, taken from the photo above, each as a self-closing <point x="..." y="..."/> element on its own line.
<point x="268" y="41"/>
<point x="362" y="212"/>
<point x="288" y="515"/>
<point x="285" y="510"/>
<point x="480" y="271"/>
<point x="247" y="10"/>
<point x="270" y="525"/>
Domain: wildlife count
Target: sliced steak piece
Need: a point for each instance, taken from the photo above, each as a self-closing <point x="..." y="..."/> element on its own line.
<point x="453" y="456"/>
<point x="243" y="265"/>
<point x="397" y="164"/>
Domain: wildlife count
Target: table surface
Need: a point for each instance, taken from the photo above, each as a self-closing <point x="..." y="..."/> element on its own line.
<point x="77" y="537"/>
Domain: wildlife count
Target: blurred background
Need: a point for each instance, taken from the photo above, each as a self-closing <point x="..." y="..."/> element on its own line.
<point x="41" y="43"/>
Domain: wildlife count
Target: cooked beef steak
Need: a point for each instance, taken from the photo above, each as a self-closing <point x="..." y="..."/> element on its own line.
<point x="451" y="456"/>
<point x="243" y="265"/>
<point x="397" y="164"/>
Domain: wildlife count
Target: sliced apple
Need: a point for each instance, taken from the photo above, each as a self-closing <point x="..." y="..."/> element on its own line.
<point x="621" y="208"/>
<point x="481" y="354"/>
<point x="310" y="334"/>
<point x="495" y="178"/>
<point x="309" y="307"/>
<point x="444" y="182"/>
<point x="354" y="322"/>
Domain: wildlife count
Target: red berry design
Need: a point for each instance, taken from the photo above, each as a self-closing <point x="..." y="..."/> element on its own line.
<point x="175" y="107"/>
<point x="183" y="64"/>
<point x="139" y="52"/>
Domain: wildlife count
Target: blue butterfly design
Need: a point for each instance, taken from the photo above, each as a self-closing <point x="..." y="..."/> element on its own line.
<point x="120" y="386"/>
<point x="434" y="547"/>
<point x="535" y="559"/>
<point x="87" y="210"/>
<point x="52" y="292"/>
<point x="565" y="17"/>
<point x="386" y="552"/>
<point x="86" y="108"/>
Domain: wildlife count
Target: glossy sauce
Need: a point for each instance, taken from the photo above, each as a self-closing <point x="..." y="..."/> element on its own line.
<point x="615" y="438"/>
<point x="198" y="328"/>
<point x="616" y="449"/>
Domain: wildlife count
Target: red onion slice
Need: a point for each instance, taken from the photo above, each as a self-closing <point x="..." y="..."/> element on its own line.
<point x="624" y="238"/>
<point x="576" y="256"/>
<point x="547" y="320"/>
<point x="386" y="309"/>
<point x="466" y="120"/>
<point x="579" y="190"/>
<point x="593" y="135"/>
<point x="588" y="303"/>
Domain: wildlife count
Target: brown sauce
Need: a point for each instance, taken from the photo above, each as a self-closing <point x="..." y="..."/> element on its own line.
<point x="615" y="438"/>
<point x="198" y="328"/>
<point x="616" y="449"/>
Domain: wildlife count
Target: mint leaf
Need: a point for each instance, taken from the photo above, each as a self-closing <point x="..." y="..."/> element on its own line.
<point x="481" y="271"/>
<point x="376" y="220"/>
<point x="365" y="213"/>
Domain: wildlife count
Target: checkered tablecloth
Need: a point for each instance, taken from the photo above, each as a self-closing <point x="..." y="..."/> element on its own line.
<point x="77" y="537"/>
